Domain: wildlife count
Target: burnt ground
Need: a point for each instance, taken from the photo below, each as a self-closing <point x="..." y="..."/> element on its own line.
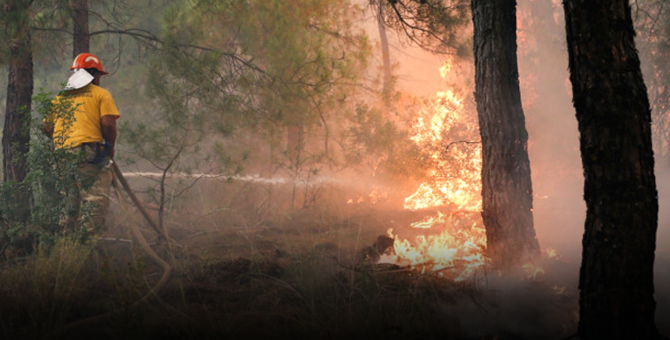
<point x="247" y="266"/>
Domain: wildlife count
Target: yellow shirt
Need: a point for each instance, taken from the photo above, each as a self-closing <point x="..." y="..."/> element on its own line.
<point x="90" y="103"/>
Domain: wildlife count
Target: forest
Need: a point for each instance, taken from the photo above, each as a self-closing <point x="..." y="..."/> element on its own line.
<point x="397" y="169"/>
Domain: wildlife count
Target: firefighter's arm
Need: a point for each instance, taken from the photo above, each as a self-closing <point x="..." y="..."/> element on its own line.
<point x="108" y="124"/>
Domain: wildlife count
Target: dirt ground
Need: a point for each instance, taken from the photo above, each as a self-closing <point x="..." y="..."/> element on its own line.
<point x="246" y="265"/>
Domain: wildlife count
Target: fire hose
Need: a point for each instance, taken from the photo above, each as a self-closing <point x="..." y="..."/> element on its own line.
<point x="167" y="269"/>
<point x="118" y="175"/>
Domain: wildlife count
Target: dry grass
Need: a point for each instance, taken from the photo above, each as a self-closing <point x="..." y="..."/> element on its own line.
<point x="245" y="268"/>
<point x="40" y="292"/>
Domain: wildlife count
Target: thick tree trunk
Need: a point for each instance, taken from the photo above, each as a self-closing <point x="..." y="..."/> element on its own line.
<point x="506" y="185"/>
<point x="609" y="95"/>
<point x="80" y="36"/>
<point x="16" y="132"/>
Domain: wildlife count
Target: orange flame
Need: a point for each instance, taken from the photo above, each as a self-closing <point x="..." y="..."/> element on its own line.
<point x="455" y="175"/>
<point x="444" y="130"/>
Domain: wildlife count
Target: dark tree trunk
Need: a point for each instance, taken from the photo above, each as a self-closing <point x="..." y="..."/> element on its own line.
<point x="507" y="194"/>
<point x="610" y="98"/>
<point x="16" y="132"/>
<point x="80" y="37"/>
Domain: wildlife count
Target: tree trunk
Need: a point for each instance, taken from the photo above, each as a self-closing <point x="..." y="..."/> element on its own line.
<point x="80" y="36"/>
<point x="507" y="195"/>
<point x="16" y="132"/>
<point x="610" y="98"/>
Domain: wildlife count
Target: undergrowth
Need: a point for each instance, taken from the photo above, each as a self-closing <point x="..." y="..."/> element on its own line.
<point x="251" y="272"/>
<point x="303" y="289"/>
<point x="42" y="291"/>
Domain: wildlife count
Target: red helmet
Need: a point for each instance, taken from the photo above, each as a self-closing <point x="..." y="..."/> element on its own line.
<point x="87" y="60"/>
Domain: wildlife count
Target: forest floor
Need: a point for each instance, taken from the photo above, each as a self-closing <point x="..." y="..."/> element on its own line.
<point x="246" y="266"/>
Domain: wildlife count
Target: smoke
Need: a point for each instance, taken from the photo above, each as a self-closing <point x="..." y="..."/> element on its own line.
<point x="559" y="208"/>
<point x="662" y="263"/>
<point x="521" y="308"/>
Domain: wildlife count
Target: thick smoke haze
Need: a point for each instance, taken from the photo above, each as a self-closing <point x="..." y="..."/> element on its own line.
<point x="559" y="207"/>
<point x="555" y="160"/>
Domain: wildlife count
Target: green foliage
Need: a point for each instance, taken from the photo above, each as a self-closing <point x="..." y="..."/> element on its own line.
<point x="176" y="134"/>
<point x="234" y="80"/>
<point x="56" y="184"/>
<point x="436" y="26"/>
<point x="54" y="175"/>
<point x="13" y="233"/>
<point x="218" y="86"/>
<point x="14" y="16"/>
<point x="383" y="146"/>
<point x="267" y="64"/>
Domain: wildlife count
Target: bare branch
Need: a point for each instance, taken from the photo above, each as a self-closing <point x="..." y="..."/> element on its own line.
<point x="446" y="148"/>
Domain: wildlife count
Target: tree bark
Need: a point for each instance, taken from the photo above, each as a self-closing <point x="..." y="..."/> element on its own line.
<point x="16" y="132"/>
<point x="80" y="36"/>
<point x="507" y="194"/>
<point x="610" y="98"/>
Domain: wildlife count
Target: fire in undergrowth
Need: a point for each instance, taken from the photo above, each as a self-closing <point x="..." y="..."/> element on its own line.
<point x="450" y="244"/>
<point x="448" y="134"/>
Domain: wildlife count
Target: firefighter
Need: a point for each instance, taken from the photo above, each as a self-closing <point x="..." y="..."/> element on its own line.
<point x="88" y="131"/>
